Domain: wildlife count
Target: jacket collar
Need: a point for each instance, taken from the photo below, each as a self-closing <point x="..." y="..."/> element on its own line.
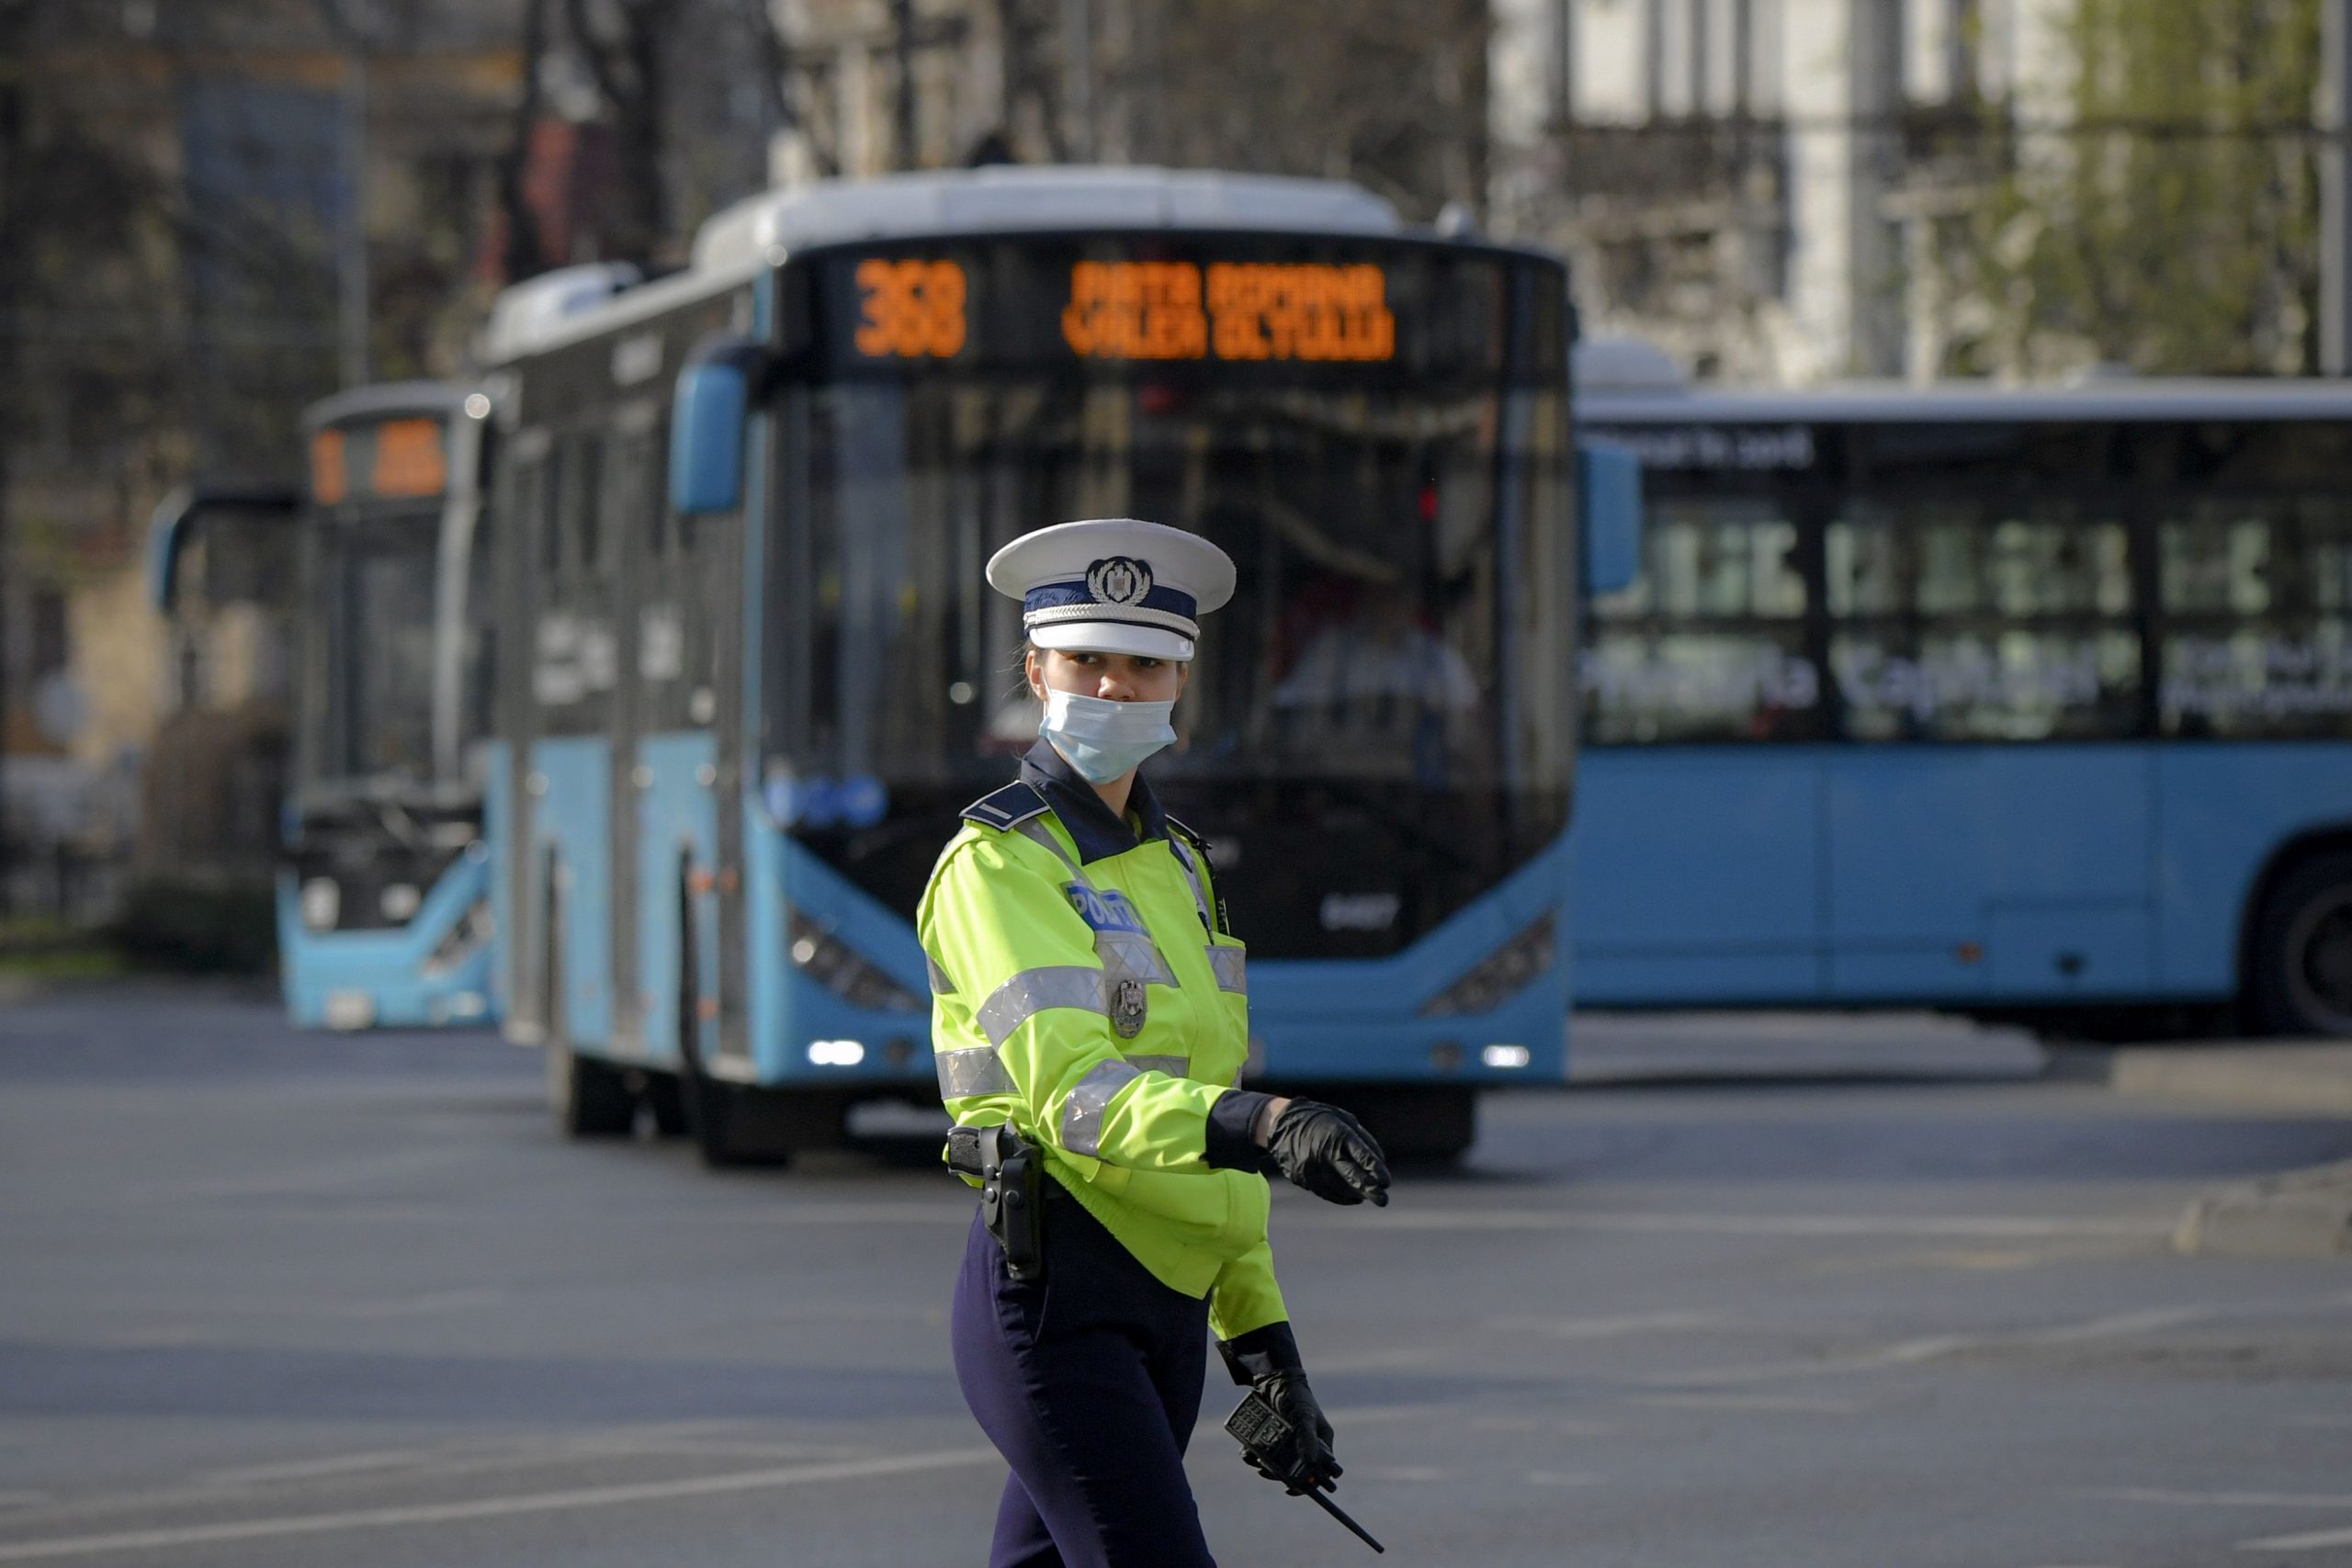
<point x="1097" y="833"/>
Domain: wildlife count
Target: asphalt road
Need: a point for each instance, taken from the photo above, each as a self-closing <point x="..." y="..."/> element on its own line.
<point x="269" y="1300"/>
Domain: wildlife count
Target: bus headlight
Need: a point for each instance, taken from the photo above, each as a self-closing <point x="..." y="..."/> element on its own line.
<point x="1500" y="977"/>
<point x="400" y="902"/>
<point x="322" y="904"/>
<point x="830" y="961"/>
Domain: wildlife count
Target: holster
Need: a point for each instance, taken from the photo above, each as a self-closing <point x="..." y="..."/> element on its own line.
<point x="1012" y="1193"/>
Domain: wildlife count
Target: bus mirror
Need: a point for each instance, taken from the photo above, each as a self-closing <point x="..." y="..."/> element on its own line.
<point x="1609" y="505"/>
<point x="182" y="515"/>
<point x="706" y="429"/>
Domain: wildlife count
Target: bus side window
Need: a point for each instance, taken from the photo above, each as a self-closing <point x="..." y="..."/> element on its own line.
<point x="2256" y="622"/>
<point x="586" y="502"/>
<point x="1707" y="642"/>
<point x="539" y="481"/>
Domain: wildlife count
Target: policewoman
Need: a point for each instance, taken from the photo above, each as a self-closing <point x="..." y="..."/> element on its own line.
<point x="1091" y="1015"/>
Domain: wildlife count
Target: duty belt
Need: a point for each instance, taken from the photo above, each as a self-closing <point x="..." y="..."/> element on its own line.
<point x="1012" y="1183"/>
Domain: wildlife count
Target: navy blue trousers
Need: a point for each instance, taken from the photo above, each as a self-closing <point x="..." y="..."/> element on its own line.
<point x="1088" y="1382"/>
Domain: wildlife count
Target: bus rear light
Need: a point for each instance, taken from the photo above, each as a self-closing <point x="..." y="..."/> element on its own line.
<point x="828" y="960"/>
<point x="1501" y="976"/>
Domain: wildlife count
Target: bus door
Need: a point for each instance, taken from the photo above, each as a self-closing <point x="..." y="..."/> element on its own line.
<point x="1986" y="837"/>
<point x="511" y="812"/>
<point x="1698" y="861"/>
<point x="629" y="497"/>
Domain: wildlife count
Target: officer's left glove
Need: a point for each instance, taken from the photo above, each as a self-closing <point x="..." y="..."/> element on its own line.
<point x="1266" y="1360"/>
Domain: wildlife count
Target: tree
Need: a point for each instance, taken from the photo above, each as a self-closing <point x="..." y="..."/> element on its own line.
<point x="624" y="43"/>
<point x="1391" y="93"/>
<point x="2169" y="219"/>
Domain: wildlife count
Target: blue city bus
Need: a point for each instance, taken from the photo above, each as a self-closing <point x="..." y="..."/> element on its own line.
<point x="383" y="909"/>
<point x="744" y="513"/>
<point x="2030" y="702"/>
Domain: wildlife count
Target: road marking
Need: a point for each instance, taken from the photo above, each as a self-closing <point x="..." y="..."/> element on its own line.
<point x="2316" y="1540"/>
<point x="1401" y="1472"/>
<point x="1561" y="1478"/>
<point x="1988" y="1226"/>
<point x="310" y="1468"/>
<point x="303" y="1181"/>
<point x="1794" y="1403"/>
<point x="2145" y="1320"/>
<point x="1579" y="1328"/>
<point x="2218" y="1499"/>
<point x="1933" y="1348"/>
<point x="489" y="1508"/>
<point x="946" y="1209"/>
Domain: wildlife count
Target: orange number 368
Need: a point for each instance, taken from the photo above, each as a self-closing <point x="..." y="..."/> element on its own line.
<point x="913" y="309"/>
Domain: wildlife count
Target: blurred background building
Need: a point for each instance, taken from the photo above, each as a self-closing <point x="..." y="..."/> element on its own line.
<point x="1789" y="191"/>
<point x="216" y="214"/>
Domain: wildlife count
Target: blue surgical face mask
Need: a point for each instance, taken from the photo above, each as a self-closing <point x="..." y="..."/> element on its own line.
<point x="1103" y="739"/>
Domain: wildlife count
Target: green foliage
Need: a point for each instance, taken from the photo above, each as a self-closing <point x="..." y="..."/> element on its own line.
<point x="2168" y="220"/>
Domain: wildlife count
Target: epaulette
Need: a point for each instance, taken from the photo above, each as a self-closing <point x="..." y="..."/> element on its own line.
<point x="1006" y="808"/>
<point x="1190" y="835"/>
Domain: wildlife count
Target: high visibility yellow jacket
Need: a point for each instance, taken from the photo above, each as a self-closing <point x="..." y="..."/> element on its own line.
<point x="1083" y="989"/>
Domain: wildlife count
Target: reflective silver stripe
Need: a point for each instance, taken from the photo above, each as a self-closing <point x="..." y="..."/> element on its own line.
<point x="941" y="985"/>
<point x="1199" y="899"/>
<point x="1174" y="1066"/>
<point x="1033" y="829"/>
<point x="972" y="1071"/>
<point x="1232" y="967"/>
<point x="1032" y="991"/>
<point x="1131" y="955"/>
<point x="1082" y="1112"/>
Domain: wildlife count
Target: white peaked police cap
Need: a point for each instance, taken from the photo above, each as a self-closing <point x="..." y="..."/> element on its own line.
<point x="1113" y="585"/>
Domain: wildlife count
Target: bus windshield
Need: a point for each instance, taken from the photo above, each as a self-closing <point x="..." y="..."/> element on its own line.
<point x="1372" y="698"/>
<point x="373" y="717"/>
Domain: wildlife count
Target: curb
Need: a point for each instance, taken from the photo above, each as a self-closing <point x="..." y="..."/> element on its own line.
<point x="2304" y="1213"/>
<point x="2315" y="1078"/>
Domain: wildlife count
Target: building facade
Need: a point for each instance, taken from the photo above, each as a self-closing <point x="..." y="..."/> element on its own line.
<point x="1760" y="186"/>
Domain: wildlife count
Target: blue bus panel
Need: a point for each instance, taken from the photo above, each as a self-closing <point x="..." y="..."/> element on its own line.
<point x="2004" y="701"/>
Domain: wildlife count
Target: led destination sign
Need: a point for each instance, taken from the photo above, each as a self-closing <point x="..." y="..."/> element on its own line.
<point x="1345" y="306"/>
<point x="396" y="458"/>
<point x="1251" y="311"/>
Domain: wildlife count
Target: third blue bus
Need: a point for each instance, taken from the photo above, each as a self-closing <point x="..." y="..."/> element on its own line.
<point x="2015" y="701"/>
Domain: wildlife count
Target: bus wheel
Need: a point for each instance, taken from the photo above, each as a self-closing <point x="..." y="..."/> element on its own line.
<point x="2302" y="951"/>
<point x="666" y="1097"/>
<point x="723" y="1118"/>
<point x="590" y="1098"/>
<point x="733" y="1125"/>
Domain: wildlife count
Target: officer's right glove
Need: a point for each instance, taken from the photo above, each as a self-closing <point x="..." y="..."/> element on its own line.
<point x="1266" y="1360"/>
<point x="1327" y="1151"/>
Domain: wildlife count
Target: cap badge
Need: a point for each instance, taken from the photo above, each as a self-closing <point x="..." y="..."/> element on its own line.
<point x="1119" y="579"/>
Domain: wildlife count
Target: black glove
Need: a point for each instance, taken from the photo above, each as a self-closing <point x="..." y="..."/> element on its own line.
<point x="1327" y="1151"/>
<point x="1266" y="1360"/>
